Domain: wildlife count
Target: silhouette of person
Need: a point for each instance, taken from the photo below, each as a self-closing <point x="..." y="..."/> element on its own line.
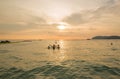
<point x="53" y="46"/>
<point x="111" y="43"/>
<point x="58" y="46"/>
<point x="49" y="46"/>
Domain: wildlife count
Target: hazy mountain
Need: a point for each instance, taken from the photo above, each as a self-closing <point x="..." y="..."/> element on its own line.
<point x="106" y="37"/>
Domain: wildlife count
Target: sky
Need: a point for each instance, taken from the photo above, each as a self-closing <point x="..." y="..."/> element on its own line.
<point x="58" y="19"/>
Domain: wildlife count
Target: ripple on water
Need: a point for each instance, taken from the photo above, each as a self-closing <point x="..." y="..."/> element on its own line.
<point x="80" y="70"/>
<point x="4" y="51"/>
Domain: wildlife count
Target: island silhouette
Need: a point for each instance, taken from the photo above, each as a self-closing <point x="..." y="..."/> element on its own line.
<point x="106" y="37"/>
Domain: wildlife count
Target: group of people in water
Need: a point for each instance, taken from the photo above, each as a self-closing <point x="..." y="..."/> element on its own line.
<point x="57" y="46"/>
<point x="54" y="46"/>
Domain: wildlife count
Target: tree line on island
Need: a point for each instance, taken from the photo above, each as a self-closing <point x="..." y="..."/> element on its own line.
<point x="106" y="37"/>
<point x="5" y="41"/>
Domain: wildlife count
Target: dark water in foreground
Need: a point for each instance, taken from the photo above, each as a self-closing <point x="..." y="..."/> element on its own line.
<point x="94" y="59"/>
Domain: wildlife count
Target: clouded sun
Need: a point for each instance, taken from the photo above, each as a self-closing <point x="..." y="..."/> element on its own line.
<point x="61" y="27"/>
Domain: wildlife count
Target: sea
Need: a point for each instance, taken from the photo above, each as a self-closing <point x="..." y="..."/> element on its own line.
<point x="76" y="59"/>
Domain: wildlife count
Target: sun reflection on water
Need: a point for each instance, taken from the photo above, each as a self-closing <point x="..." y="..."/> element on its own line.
<point x="62" y="43"/>
<point x="60" y="55"/>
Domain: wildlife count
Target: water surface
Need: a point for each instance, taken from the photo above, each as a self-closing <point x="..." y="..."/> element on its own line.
<point x="83" y="59"/>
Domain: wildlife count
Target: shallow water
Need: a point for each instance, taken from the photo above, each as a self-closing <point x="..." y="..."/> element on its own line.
<point x="83" y="59"/>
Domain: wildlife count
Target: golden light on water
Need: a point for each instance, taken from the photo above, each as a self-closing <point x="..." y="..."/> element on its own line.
<point x="62" y="55"/>
<point x="62" y="43"/>
<point x="59" y="55"/>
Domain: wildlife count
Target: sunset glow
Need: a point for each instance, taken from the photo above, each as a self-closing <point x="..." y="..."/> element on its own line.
<point x="58" y="19"/>
<point x="61" y="27"/>
<point x="60" y="39"/>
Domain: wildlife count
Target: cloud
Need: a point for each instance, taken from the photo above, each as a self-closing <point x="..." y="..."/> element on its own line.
<point x="110" y="2"/>
<point x="18" y="26"/>
<point x="14" y="14"/>
<point x="14" y="19"/>
<point x="74" y="19"/>
<point x="107" y="14"/>
<point x="20" y="21"/>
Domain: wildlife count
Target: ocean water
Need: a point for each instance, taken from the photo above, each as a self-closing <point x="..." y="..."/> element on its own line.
<point x="81" y="59"/>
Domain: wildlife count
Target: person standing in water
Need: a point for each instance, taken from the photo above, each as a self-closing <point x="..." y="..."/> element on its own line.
<point x="49" y="46"/>
<point x="53" y="46"/>
<point x="111" y="43"/>
<point x="58" y="46"/>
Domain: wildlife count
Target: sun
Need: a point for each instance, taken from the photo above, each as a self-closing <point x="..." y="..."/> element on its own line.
<point x="61" y="27"/>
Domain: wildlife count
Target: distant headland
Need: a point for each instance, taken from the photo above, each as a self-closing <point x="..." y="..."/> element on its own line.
<point x="5" y="41"/>
<point x="106" y="37"/>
